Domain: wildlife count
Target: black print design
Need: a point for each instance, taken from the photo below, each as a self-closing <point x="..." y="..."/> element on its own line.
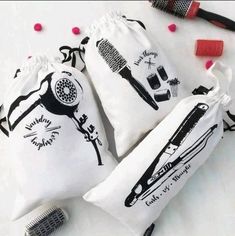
<point x="149" y="230"/>
<point x="146" y="184"/>
<point x="41" y="133"/>
<point x="174" y="165"/>
<point x="203" y="91"/>
<point x="119" y="65"/>
<point x="154" y="81"/>
<point x="60" y="94"/>
<point x="162" y="73"/>
<point x="174" y="86"/>
<point x="150" y="63"/>
<point x="162" y="95"/>
<point x="231" y="116"/>
<point x="16" y="73"/>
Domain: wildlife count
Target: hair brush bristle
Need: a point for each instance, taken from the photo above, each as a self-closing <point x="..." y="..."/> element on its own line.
<point x="110" y="54"/>
<point x="175" y="7"/>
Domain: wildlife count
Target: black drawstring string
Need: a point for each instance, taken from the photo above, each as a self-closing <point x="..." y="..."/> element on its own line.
<point x="203" y="90"/>
<point x="70" y="54"/>
<point x="228" y="127"/>
<point x="3" y="120"/>
<point x="138" y="21"/>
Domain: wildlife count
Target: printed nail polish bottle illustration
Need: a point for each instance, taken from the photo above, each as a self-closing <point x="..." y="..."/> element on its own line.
<point x="162" y="95"/>
<point x="154" y="81"/>
<point x="162" y="164"/>
<point x="162" y="73"/>
<point x="119" y="65"/>
<point x="174" y="86"/>
<point x="60" y="94"/>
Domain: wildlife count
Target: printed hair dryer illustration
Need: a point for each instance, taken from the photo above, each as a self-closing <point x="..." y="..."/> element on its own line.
<point x="191" y="9"/>
<point x="60" y="94"/>
<point x="147" y="181"/>
<point x="118" y="64"/>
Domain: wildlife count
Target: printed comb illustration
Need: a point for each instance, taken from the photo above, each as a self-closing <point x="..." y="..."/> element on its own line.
<point x="149" y="181"/>
<point x="118" y="64"/>
<point x="60" y="94"/>
<point x="190" y="9"/>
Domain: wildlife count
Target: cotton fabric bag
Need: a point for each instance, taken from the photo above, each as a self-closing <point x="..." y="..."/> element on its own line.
<point x="154" y="172"/>
<point x="57" y="141"/>
<point x="134" y="80"/>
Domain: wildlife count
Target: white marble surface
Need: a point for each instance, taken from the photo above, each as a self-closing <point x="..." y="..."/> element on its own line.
<point x="206" y="206"/>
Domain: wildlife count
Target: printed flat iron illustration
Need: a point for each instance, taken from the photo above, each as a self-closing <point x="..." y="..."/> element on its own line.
<point x="180" y="135"/>
<point x="60" y="94"/>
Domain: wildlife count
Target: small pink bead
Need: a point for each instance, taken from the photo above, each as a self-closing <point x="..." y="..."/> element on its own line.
<point x="208" y="64"/>
<point x="172" y="27"/>
<point x="38" y="27"/>
<point x="76" y="30"/>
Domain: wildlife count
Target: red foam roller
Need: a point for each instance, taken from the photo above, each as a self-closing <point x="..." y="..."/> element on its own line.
<point x="212" y="48"/>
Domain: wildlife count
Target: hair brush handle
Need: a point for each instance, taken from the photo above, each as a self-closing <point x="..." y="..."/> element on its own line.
<point x="140" y="89"/>
<point x="216" y="19"/>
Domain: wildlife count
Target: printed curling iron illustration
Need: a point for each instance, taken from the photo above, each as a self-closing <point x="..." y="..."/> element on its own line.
<point x="118" y="64"/>
<point x="147" y="180"/>
<point x="60" y="94"/>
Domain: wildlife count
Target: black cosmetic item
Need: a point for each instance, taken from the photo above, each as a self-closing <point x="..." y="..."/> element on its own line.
<point x="190" y="9"/>
<point x="162" y="95"/>
<point x="154" y="82"/>
<point x="162" y="73"/>
<point x="146" y="184"/>
<point x="118" y="64"/>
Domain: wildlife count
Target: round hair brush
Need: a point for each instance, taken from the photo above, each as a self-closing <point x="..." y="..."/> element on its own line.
<point x="190" y="9"/>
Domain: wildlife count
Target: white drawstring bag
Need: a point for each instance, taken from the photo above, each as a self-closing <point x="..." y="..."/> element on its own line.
<point x="57" y="141"/>
<point x="134" y="80"/>
<point x="156" y="170"/>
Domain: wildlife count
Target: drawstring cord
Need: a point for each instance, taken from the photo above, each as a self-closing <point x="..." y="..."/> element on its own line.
<point x="222" y="74"/>
<point x="3" y="120"/>
<point x="70" y="54"/>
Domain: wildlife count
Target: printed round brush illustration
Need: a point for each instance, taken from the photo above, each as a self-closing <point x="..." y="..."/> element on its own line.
<point x="118" y="64"/>
<point x="174" y="86"/>
<point x="161" y="165"/>
<point x="60" y="94"/>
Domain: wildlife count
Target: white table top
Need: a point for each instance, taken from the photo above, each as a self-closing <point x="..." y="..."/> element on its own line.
<point x="206" y="205"/>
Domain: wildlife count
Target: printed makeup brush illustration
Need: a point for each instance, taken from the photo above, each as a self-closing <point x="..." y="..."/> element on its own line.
<point x="118" y="64"/>
<point x="185" y="128"/>
<point x="60" y="94"/>
<point x="190" y="9"/>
